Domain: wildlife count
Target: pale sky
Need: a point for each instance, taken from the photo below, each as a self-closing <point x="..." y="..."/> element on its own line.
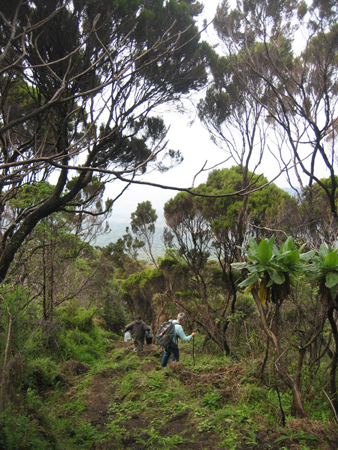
<point x="189" y="136"/>
<point x="191" y="139"/>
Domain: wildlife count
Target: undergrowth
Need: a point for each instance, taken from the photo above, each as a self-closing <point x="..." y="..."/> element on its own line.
<point x="113" y="399"/>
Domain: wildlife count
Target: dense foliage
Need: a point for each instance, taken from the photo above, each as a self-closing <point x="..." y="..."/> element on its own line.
<point x="254" y="268"/>
<point x="79" y="83"/>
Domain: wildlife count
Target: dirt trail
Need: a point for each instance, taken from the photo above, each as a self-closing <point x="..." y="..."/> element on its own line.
<point x="103" y="392"/>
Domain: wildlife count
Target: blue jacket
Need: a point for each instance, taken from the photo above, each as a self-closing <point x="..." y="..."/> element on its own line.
<point x="179" y="333"/>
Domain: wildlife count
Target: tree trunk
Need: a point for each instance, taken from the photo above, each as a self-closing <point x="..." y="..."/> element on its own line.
<point x="333" y="367"/>
<point x="286" y="378"/>
<point x="5" y="375"/>
<point x="301" y="354"/>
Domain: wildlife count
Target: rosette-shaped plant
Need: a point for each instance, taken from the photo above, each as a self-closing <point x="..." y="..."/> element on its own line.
<point x="270" y="269"/>
<point x="324" y="269"/>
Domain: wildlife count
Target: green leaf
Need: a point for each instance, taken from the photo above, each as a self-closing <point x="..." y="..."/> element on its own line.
<point x="301" y="248"/>
<point x="253" y="258"/>
<point x="253" y="246"/>
<point x="300" y="269"/>
<point x="323" y="251"/>
<point x="331" y="279"/>
<point x="239" y="265"/>
<point x="257" y="268"/>
<point x="307" y="256"/>
<point x="291" y="257"/>
<point x="311" y="273"/>
<point x="331" y="260"/>
<point x="289" y="245"/>
<point x="277" y="276"/>
<point x="275" y="250"/>
<point x="264" y="251"/>
<point x="250" y="280"/>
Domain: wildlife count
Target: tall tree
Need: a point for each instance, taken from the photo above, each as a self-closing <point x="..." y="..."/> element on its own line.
<point x="45" y="264"/>
<point x="317" y="225"/>
<point x="143" y="226"/>
<point x="215" y="226"/>
<point x="284" y="55"/>
<point x="78" y="83"/>
<point x="268" y="278"/>
<point x="270" y="274"/>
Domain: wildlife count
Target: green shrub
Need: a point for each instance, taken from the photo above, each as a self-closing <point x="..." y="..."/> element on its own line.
<point x="114" y="314"/>
<point x="42" y="373"/>
<point x="211" y="400"/>
<point x="44" y="341"/>
<point x="18" y="431"/>
<point x="81" y="346"/>
<point x="78" y="433"/>
<point x="79" y="318"/>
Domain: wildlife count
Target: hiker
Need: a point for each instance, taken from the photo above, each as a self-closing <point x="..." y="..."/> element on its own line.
<point x="138" y="330"/>
<point x="172" y="348"/>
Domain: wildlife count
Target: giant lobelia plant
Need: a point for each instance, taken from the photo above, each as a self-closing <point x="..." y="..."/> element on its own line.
<point x="324" y="270"/>
<point x="270" y="272"/>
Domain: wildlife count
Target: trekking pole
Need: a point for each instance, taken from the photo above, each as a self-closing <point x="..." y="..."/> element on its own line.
<point x="193" y="348"/>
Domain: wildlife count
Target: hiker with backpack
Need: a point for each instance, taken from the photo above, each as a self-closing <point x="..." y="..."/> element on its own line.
<point x="138" y="330"/>
<point x="168" y="335"/>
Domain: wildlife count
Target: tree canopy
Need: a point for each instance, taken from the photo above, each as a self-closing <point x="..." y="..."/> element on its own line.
<point x="79" y="81"/>
<point x="278" y="63"/>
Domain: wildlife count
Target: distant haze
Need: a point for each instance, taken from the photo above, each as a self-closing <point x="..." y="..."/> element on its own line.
<point x="120" y="219"/>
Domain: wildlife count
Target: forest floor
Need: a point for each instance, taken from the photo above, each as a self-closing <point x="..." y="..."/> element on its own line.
<point x="137" y="405"/>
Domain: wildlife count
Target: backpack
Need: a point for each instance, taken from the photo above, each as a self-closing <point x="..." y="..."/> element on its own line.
<point x="166" y="334"/>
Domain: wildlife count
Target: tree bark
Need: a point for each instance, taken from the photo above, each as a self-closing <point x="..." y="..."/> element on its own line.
<point x="333" y="366"/>
<point x="4" y="375"/>
<point x="286" y="378"/>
